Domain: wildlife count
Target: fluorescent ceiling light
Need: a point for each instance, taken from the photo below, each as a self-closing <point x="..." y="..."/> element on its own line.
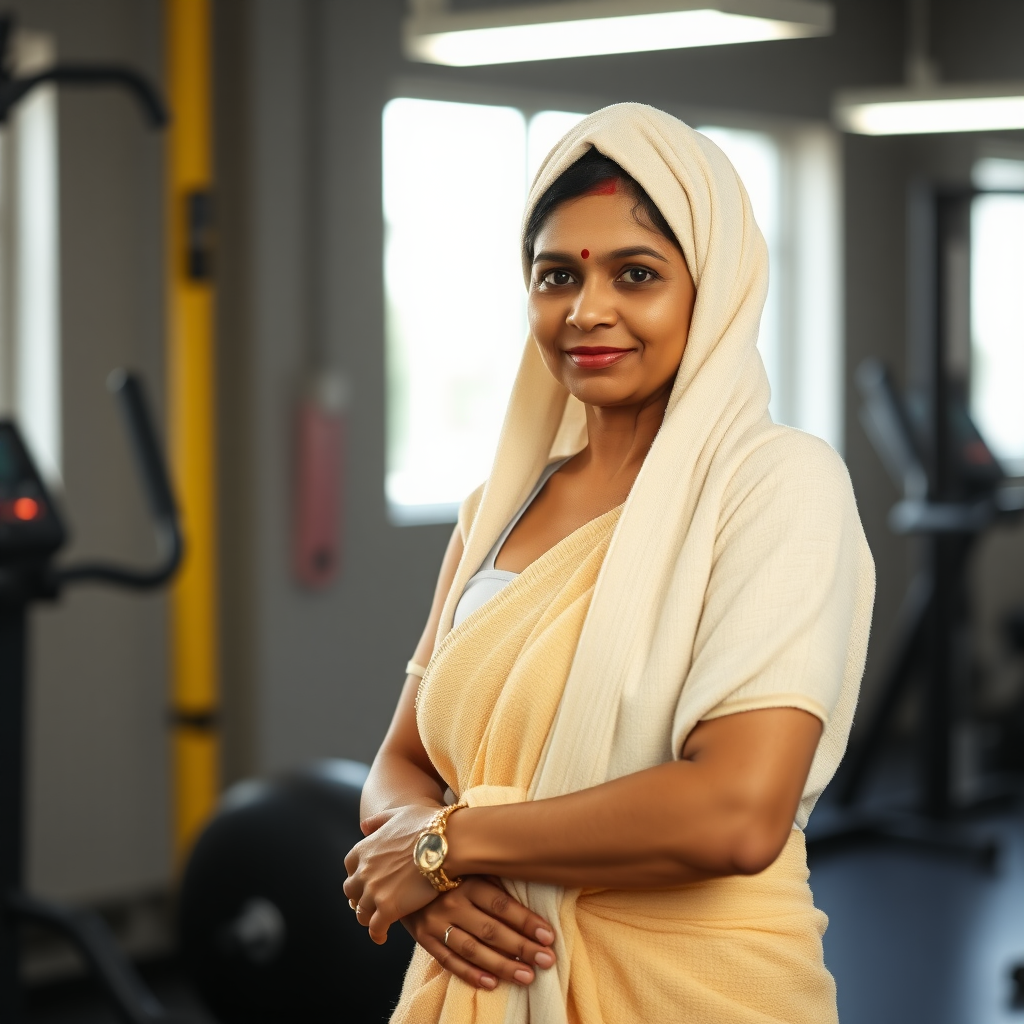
<point x="586" y="28"/>
<point x="925" y="110"/>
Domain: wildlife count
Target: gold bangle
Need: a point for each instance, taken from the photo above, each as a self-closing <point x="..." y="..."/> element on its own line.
<point x="413" y="669"/>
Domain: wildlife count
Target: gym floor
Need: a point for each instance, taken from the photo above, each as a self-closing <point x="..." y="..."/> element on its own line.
<point x="918" y="937"/>
<point x="77" y="1001"/>
<point x="915" y="937"/>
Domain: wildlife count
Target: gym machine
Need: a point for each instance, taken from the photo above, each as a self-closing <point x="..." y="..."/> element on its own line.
<point x="264" y="928"/>
<point x="953" y="491"/>
<point x="31" y="534"/>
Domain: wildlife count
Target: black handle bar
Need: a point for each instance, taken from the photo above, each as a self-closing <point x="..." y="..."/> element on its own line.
<point x="884" y="420"/>
<point x="13" y="89"/>
<point x="127" y="387"/>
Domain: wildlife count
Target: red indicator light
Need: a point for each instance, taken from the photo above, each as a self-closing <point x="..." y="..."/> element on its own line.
<point x="26" y="509"/>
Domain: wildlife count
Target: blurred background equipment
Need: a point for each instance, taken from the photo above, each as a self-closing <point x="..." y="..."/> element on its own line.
<point x="14" y="88"/>
<point x="31" y="534"/>
<point x="265" y="929"/>
<point x="953" y="492"/>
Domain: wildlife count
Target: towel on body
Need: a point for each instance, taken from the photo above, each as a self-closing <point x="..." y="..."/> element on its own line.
<point x="735" y="577"/>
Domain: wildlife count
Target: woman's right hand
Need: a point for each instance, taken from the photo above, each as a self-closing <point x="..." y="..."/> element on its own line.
<point x="492" y="938"/>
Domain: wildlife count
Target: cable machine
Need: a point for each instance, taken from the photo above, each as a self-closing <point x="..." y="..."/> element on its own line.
<point x="32" y="533"/>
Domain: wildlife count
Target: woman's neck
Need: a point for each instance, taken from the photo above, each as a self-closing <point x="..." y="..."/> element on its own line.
<point x="619" y="437"/>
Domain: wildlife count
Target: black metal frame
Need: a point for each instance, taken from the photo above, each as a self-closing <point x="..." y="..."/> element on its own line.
<point x="14" y="89"/>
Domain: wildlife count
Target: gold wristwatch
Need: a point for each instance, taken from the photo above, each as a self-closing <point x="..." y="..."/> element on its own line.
<point x="431" y="849"/>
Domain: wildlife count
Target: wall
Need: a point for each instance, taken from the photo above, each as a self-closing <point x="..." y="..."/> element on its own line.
<point x="308" y="674"/>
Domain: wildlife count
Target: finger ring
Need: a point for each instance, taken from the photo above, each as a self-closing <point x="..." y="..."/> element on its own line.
<point x="352" y="904"/>
<point x="359" y="910"/>
<point x="448" y="932"/>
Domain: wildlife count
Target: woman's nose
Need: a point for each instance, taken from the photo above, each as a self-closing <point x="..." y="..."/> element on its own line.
<point x="594" y="307"/>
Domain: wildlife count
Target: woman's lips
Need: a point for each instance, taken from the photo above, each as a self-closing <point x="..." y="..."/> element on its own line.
<point x="596" y="357"/>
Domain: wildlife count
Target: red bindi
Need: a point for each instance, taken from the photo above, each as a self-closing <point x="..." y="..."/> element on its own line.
<point x="585" y="254"/>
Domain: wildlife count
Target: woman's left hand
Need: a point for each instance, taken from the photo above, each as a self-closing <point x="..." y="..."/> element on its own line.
<point x="383" y="884"/>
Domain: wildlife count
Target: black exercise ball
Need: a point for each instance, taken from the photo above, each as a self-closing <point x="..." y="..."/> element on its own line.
<point x="264" y="927"/>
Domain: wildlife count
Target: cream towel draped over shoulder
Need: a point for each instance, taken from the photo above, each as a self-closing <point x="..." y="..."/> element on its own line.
<point x="737" y="576"/>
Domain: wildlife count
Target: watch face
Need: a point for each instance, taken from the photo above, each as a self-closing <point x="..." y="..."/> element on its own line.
<point x="430" y="851"/>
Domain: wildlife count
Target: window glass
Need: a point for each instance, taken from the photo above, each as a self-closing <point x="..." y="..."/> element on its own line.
<point x="30" y="357"/>
<point x="37" y="327"/>
<point x="997" y="323"/>
<point x="454" y="188"/>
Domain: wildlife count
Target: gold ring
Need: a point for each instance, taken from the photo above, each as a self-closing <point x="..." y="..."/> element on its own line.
<point x="359" y="910"/>
<point x="352" y="904"/>
<point x="448" y="932"/>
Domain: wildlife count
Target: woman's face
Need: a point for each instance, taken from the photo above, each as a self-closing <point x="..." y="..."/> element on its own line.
<point x="610" y="301"/>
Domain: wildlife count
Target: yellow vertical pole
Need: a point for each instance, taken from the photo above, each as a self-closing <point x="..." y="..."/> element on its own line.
<point x="194" y="647"/>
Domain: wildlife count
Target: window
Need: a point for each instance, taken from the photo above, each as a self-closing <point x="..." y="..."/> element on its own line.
<point x="997" y="309"/>
<point x="29" y="299"/>
<point x="456" y="177"/>
<point x="454" y="187"/>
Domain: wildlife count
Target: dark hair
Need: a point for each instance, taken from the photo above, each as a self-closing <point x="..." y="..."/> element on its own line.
<point x="586" y="174"/>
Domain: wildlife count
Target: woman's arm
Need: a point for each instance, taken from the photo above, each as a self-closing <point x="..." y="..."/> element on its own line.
<point x="401" y="773"/>
<point x="495" y="938"/>
<point x="725" y="808"/>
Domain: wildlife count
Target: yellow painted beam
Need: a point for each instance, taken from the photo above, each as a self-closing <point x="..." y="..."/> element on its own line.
<point x="190" y="350"/>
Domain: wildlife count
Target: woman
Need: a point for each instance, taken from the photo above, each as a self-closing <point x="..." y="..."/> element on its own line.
<point x="646" y="641"/>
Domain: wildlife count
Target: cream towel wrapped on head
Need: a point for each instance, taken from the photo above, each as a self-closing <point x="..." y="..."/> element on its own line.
<point x="735" y="577"/>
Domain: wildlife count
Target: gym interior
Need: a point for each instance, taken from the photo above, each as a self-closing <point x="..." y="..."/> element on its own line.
<point x="228" y="235"/>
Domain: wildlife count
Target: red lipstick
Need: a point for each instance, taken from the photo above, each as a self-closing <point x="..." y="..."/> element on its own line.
<point x="596" y="357"/>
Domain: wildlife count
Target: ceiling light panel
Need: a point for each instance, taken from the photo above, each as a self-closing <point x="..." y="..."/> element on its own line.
<point x="974" y="108"/>
<point x="585" y="28"/>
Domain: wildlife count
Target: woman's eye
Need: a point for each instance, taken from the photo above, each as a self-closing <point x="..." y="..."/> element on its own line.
<point x="556" y="278"/>
<point x="638" y="275"/>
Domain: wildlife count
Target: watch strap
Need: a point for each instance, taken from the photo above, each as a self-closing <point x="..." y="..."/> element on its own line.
<point x="437" y="825"/>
